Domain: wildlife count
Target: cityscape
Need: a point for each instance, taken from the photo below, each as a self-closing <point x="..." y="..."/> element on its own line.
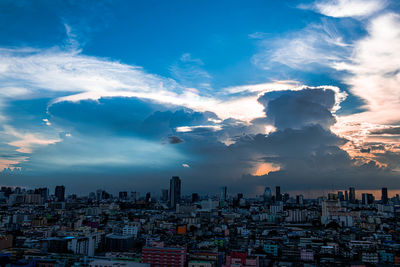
<point x="131" y="229"/>
<point x="199" y="133"/>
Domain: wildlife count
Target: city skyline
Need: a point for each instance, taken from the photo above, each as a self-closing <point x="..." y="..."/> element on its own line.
<point x="126" y="94"/>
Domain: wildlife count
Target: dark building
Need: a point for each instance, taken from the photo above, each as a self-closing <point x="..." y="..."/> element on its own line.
<point x="123" y="195"/>
<point x="148" y="197"/>
<point x="119" y="242"/>
<point x="367" y="199"/>
<point x="60" y="193"/>
<point x="174" y="191"/>
<point x="346" y="196"/>
<point x="195" y="197"/>
<point x="352" y="195"/>
<point x="43" y="192"/>
<point x="278" y="195"/>
<point x="164" y="195"/>
<point x="384" y="197"/>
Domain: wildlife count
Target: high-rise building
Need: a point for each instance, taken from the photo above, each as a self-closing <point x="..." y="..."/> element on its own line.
<point x="352" y="195"/>
<point x="43" y="192"/>
<point x="340" y="196"/>
<point x="384" y="197"/>
<point x="123" y="195"/>
<point x="267" y="195"/>
<point x="299" y="199"/>
<point x="223" y="191"/>
<point x="60" y="193"/>
<point x="346" y="196"/>
<point x="148" y="197"/>
<point x="195" y="197"/>
<point x="174" y="191"/>
<point x="164" y="195"/>
<point x="367" y="199"/>
<point x="278" y="195"/>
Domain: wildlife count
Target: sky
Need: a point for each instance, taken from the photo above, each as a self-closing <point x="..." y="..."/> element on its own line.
<point x="122" y="95"/>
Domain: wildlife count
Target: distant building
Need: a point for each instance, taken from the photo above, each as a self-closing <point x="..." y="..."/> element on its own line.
<point x="43" y="192"/>
<point x="352" y="195"/>
<point x="223" y="195"/>
<point x="174" y="191"/>
<point x="119" y="242"/>
<point x="278" y="195"/>
<point x="123" y="195"/>
<point x="60" y="193"/>
<point x="267" y="195"/>
<point x="384" y="197"/>
<point x="164" y="195"/>
<point x="164" y="256"/>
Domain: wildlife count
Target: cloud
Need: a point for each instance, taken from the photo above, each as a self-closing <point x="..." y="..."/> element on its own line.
<point x="296" y="109"/>
<point x="174" y="140"/>
<point x="374" y="77"/>
<point x="348" y="8"/>
<point x="389" y="130"/>
<point x="317" y="44"/>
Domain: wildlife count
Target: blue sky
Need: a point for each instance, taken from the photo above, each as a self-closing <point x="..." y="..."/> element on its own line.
<point x="123" y="94"/>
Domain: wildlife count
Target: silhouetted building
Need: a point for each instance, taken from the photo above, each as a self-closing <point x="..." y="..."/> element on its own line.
<point x="195" y="197"/>
<point x="367" y="199"/>
<point x="267" y="195"/>
<point x="352" y="195"/>
<point x="384" y="197"/>
<point x="341" y="196"/>
<point x="123" y="195"/>
<point x="164" y="195"/>
<point x="174" y="191"/>
<point x="222" y="195"/>
<point x="278" y="195"/>
<point x="346" y="196"/>
<point x="60" y="193"/>
<point x="148" y="197"/>
<point x="43" y="192"/>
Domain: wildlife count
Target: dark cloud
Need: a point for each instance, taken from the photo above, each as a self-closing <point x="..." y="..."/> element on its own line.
<point x="174" y="140"/>
<point x="295" y="109"/>
<point x="392" y="131"/>
<point x="365" y="150"/>
<point x="118" y="142"/>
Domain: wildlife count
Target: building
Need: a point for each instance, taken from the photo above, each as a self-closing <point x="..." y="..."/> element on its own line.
<point x="119" y="242"/>
<point x="164" y="195"/>
<point x="43" y="192"/>
<point x="352" y="195"/>
<point x="60" y="193"/>
<point x="222" y="195"/>
<point x="278" y="195"/>
<point x="174" y="191"/>
<point x="267" y="195"/>
<point x="384" y="197"/>
<point x="116" y="263"/>
<point x="164" y="256"/>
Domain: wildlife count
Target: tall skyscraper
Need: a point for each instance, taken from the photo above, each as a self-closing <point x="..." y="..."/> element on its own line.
<point x="223" y="190"/>
<point x="267" y="195"/>
<point x="278" y="195"/>
<point x="60" y="192"/>
<point x="352" y="195"/>
<point x="346" y="196"/>
<point x="340" y="196"/>
<point x="174" y="191"/>
<point x="384" y="197"/>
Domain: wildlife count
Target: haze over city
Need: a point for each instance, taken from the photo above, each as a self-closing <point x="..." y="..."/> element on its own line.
<point x="244" y="94"/>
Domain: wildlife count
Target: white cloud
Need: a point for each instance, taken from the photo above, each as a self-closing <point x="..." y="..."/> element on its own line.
<point x="348" y="8"/>
<point x="320" y="44"/>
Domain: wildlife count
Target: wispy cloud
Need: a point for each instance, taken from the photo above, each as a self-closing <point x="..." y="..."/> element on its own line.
<point x="347" y="8"/>
<point x="317" y="44"/>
